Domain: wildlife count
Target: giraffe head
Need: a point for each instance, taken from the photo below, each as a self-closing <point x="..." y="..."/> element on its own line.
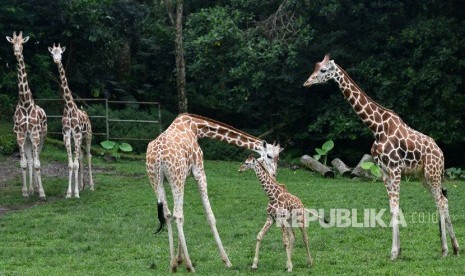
<point x="56" y="52"/>
<point x="324" y="71"/>
<point x="269" y="157"/>
<point x="17" y="41"/>
<point x="249" y="164"/>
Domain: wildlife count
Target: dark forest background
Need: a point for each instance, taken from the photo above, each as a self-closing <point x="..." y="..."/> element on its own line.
<point x="246" y="61"/>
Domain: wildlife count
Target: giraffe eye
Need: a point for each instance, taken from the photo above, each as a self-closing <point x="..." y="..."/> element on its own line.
<point x="268" y="156"/>
<point x="323" y="70"/>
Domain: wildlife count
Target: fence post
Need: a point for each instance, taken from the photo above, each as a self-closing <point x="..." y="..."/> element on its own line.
<point x="106" y="119"/>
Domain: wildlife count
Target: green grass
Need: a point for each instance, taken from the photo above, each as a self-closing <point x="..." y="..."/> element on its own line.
<point x="111" y="231"/>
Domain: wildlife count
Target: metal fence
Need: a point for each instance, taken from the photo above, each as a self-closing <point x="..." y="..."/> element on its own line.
<point x="106" y="116"/>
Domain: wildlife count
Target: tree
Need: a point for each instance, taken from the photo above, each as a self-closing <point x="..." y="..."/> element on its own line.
<point x="177" y="22"/>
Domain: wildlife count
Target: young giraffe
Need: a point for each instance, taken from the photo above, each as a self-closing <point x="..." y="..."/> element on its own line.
<point x="175" y="153"/>
<point x="283" y="208"/>
<point x="397" y="149"/>
<point x="76" y="125"/>
<point x="30" y="124"/>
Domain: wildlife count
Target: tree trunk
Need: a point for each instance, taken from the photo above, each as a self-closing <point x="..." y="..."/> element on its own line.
<point x="180" y="62"/>
<point x="317" y="166"/>
<point x="179" y="52"/>
<point x="358" y="171"/>
<point x="341" y="167"/>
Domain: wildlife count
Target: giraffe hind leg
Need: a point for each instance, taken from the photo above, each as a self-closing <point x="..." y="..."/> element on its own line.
<point x="446" y="223"/>
<point x="455" y="243"/>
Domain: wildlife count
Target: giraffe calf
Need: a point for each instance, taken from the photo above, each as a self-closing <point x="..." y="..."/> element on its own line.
<point x="283" y="208"/>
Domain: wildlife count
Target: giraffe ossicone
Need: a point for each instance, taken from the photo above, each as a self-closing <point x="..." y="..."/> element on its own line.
<point x="397" y="149"/>
<point x="175" y="154"/>
<point x="30" y="125"/>
<point x="76" y="128"/>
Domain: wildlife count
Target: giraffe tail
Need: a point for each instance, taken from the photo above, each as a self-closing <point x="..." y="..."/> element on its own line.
<point x="315" y="214"/>
<point x="161" y="217"/>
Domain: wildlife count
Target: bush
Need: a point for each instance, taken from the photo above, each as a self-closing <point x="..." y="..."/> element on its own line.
<point x="8" y="144"/>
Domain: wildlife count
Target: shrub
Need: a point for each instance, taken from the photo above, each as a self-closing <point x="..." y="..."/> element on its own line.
<point x="8" y="144"/>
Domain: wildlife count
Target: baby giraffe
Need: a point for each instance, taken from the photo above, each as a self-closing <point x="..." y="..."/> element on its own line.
<point x="284" y="208"/>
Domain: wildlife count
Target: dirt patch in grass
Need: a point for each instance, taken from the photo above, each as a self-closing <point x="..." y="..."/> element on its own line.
<point x="9" y="169"/>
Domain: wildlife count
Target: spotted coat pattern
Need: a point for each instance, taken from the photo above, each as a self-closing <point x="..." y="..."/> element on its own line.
<point x="30" y="124"/>
<point x="175" y="154"/>
<point x="283" y="207"/>
<point x="397" y="149"/>
<point x="76" y="128"/>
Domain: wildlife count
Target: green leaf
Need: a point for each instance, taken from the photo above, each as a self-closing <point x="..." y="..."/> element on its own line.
<point x="320" y="151"/>
<point x="316" y="157"/>
<point x="375" y="170"/>
<point x="108" y="144"/>
<point x="367" y="165"/>
<point x="125" y="147"/>
<point x="328" y="145"/>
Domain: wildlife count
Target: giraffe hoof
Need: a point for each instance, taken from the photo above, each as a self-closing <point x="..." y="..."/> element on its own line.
<point x="444" y="253"/>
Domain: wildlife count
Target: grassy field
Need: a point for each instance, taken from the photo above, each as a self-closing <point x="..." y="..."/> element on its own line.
<point x="111" y="231"/>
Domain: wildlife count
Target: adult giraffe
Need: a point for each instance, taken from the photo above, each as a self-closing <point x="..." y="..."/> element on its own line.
<point x="76" y="126"/>
<point x="175" y="153"/>
<point x="30" y="124"/>
<point x="397" y="149"/>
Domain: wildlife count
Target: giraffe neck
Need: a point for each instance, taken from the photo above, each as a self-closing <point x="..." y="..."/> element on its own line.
<point x="372" y="114"/>
<point x="25" y="95"/>
<point x="225" y="133"/>
<point x="270" y="186"/>
<point x="67" y="95"/>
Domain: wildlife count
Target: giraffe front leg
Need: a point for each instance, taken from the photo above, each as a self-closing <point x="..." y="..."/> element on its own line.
<point x="30" y="168"/>
<point x="23" y="165"/>
<point x="392" y="183"/>
<point x="36" y="160"/>
<point x="261" y="234"/>
<point x="199" y="175"/>
<point x="77" y="158"/>
<point x="67" y="141"/>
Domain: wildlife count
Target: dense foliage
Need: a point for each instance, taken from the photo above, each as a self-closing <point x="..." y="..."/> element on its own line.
<point x="246" y="62"/>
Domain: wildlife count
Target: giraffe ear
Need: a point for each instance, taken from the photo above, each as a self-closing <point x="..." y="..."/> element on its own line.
<point x="25" y="39"/>
<point x="264" y="144"/>
<point x="9" y="39"/>
<point x="332" y="65"/>
<point x="63" y="49"/>
<point x="50" y="49"/>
